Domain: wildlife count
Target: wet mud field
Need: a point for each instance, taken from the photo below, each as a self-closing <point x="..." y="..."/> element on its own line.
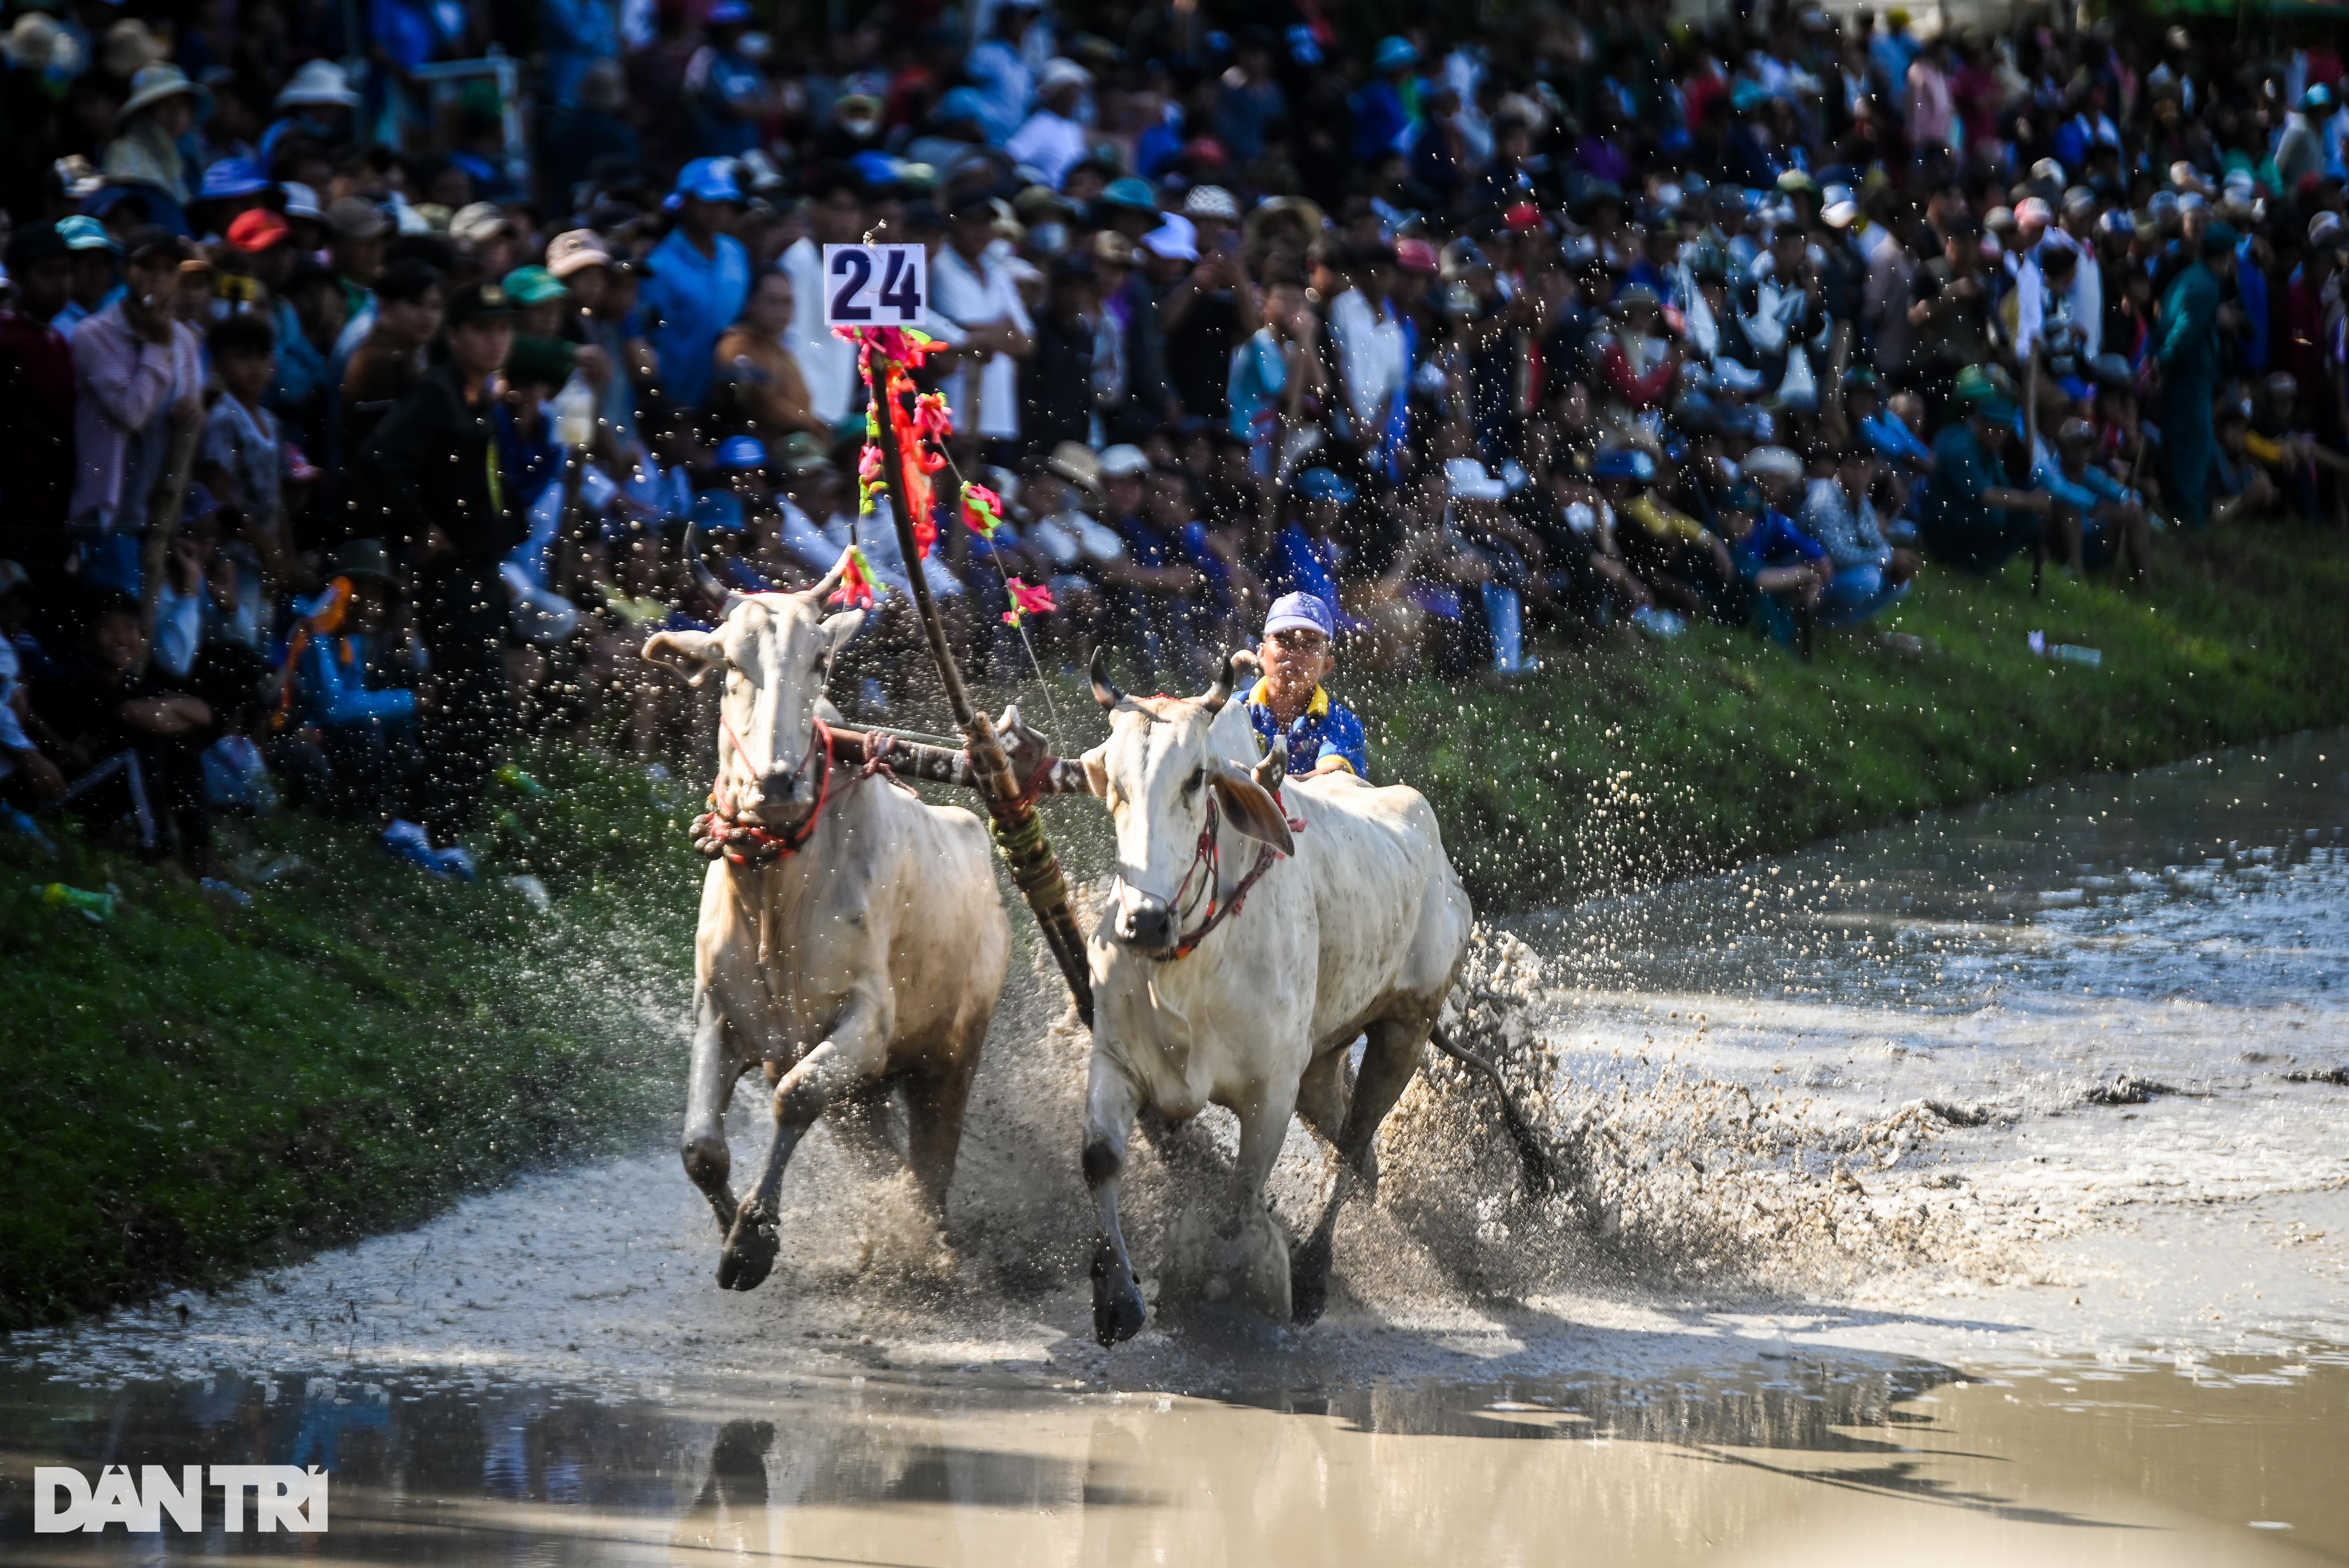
<point x="1967" y="1190"/>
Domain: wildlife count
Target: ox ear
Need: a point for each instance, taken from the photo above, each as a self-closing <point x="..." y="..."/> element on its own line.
<point x="1096" y="763"/>
<point x="1253" y="810"/>
<point x="693" y="654"/>
<point x="838" y="629"/>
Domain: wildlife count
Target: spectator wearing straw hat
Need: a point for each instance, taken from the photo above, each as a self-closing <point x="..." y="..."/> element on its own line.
<point x="162" y="107"/>
<point x="317" y="103"/>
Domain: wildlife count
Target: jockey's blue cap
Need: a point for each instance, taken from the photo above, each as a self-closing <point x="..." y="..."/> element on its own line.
<point x="1321" y="484"/>
<point x="718" y="511"/>
<point x="710" y="179"/>
<point x="741" y="452"/>
<point x="1296" y="611"/>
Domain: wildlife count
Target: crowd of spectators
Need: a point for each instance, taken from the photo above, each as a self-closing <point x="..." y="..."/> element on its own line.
<point x="361" y="395"/>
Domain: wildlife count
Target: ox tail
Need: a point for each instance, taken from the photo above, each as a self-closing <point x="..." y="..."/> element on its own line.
<point x="1541" y="1174"/>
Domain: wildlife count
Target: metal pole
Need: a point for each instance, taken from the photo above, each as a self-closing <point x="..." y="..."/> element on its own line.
<point x="1035" y="870"/>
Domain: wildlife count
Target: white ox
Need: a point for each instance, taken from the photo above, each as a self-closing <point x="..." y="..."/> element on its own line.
<point x="857" y="946"/>
<point x="1360" y="930"/>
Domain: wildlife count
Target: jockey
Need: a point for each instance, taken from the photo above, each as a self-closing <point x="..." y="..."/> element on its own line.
<point x="1323" y="736"/>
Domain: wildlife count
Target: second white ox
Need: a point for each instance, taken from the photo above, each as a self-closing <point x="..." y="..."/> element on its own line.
<point x="850" y="939"/>
<point x="1360" y="931"/>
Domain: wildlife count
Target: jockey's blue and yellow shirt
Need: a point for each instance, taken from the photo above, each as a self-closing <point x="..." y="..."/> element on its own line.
<point x="1325" y="728"/>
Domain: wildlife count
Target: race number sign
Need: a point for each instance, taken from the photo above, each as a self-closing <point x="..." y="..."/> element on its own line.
<point x="875" y="285"/>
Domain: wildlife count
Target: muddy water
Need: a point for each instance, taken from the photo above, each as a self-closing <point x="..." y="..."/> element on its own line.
<point x="1970" y="1192"/>
<point x="1809" y="1460"/>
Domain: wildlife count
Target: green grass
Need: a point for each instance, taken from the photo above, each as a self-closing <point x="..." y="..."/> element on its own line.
<point x="1639" y="762"/>
<point x="197" y="1087"/>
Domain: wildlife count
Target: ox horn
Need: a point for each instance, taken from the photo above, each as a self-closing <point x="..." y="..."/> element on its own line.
<point x="1105" y="690"/>
<point x="1220" y="693"/>
<point x="705" y="579"/>
<point x="823" y="591"/>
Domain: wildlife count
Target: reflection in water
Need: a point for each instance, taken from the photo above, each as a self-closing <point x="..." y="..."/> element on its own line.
<point x="473" y="1470"/>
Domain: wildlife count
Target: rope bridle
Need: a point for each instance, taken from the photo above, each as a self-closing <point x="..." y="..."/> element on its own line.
<point x="1209" y="857"/>
<point x="721" y="830"/>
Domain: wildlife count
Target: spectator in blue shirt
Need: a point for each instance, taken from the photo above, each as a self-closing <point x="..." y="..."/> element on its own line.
<point x="1870" y="575"/>
<point x="999" y="68"/>
<point x="575" y="34"/>
<point x="1971" y="517"/>
<point x="1784" y="569"/>
<point x="2099" y="521"/>
<point x="700" y="279"/>
<point x="364" y="729"/>
<point x="1289" y="704"/>
<point x="1880" y="428"/>
<point x="1382" y="111"/>
<point x="727" y="91"/>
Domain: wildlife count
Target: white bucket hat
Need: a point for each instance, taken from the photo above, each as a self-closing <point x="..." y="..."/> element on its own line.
<point x="318" y="82"/>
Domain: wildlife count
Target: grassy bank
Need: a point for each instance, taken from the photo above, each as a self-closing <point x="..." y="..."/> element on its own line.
<point x="195" y="1085"/>
<point x="199" y="1084"/>
<point x="1641" y="762"/>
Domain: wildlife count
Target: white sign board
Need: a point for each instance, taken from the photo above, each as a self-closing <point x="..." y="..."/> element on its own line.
<point x="875" y="285"/>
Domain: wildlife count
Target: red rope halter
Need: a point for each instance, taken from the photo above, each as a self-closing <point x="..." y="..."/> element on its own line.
<point x="721" y="831"/>
<point x="1210" y="855"/>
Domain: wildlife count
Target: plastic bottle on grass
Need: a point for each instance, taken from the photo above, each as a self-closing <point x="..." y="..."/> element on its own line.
<point x="95" y="907"/>
<point x="2065" y="653"/>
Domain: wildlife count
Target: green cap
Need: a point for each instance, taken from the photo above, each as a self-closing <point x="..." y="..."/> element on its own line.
<point x="534" y="285"/>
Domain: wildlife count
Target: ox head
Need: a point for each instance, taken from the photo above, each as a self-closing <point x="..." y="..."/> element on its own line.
<point x="1165" y="758"/>
<point x="775" y="651"/>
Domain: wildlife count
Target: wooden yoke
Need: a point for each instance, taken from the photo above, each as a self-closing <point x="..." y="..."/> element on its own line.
<point x="1043" y="773"/>
<point x="1035" y="870"/>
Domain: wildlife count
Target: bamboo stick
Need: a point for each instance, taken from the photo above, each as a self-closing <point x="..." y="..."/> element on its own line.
<point x="1035" y="870"/>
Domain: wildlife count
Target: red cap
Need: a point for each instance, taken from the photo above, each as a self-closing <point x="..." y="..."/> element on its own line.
<point x="1416" y="256"/>
<point x="1523" y="216"/>
<point x="256" y="229"/>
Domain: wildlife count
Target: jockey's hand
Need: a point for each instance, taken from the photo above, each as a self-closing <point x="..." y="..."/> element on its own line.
<point x="1331" y="765"/>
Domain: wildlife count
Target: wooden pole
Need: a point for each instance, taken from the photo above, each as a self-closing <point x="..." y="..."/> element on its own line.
<point x="1035" y="870"/>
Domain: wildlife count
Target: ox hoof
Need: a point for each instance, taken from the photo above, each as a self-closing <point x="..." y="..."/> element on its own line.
<point x="1118" y="1312"/>
<point x="750" y="1249"/>
<point x="1309" y="1281"/>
